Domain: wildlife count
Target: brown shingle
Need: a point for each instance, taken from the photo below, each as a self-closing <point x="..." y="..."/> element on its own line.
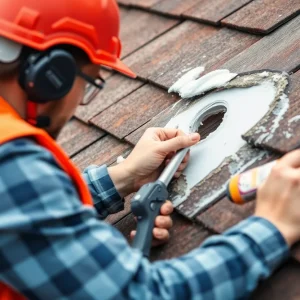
<point x="76" y="135"/>
<point x="133" y="111"/>
<point x="214" y="11"/>
<point x="159" y="120"/>
<point x="174" y="7"/>
<point x="263" y="16"/>
<point x="184" y="47"/>
<point x="279" y="51"/>
<point x="282" y="285"/>
<point x="104" y="151"/>
<point x="140" y="27"/>
<point x="225" y="214"/>
<point x="116" y="88"/>
<point x="287" y="135"/>
<point x="139" y="3"/>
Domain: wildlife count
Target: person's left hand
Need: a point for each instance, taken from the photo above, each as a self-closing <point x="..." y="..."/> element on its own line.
<point x="163" y="224"/>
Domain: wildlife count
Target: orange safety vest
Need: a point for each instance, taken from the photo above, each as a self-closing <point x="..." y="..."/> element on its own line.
<point x="12" y="127"/>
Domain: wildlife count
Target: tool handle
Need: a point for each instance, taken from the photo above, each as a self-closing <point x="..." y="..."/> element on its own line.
<point x="169" y="171"/>
<point x="146" y="207"/>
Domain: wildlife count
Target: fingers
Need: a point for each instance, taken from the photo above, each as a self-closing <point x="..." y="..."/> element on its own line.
<point x="167" y="208"/>
<point x="164" y="222"/>
<point x="291" y="160"/>
<point x="179" y="142"/>
<point x="159" y="234"/>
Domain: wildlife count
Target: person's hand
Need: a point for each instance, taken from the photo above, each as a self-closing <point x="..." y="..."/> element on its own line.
<point x="278" y="199"/>
<point x="149" y="157"/>
<point x="153" y="152"/>
<point x="163" y="224"/>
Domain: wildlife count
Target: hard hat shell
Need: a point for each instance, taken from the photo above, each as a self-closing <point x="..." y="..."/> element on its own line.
<point x="92" y="25"/>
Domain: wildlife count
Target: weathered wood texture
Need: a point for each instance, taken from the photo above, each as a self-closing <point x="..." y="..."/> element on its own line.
<point x="139" y="3"/>
<point x="116" y="88"/>
<point x="140" y="27"/>
<point x="278" y="51"/>
<point x="76" y="136"/>
<point x="104" y="151"/>
<point x="175" y="7"/>
<point x="213" y="187"/>
<point x="282" y="285"/>
<point x="133" y="111"/>
<point x="263" y="16"/>
<point x="184" y="236"/>
<point x="225" y="214"/>
<point x="286" y="136"/>
<point x="184" y="47"/>
<point x="213" y="11"/>
<point x="159" y="120"/>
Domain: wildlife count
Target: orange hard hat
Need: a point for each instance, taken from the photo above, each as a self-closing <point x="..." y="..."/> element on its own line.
<point x="92" y="25"/>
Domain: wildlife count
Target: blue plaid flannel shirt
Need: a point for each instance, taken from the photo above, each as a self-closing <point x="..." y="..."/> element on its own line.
<point x="52" y="247"/>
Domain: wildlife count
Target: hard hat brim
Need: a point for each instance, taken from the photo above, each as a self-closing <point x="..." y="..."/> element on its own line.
<point x="120" y="67"/>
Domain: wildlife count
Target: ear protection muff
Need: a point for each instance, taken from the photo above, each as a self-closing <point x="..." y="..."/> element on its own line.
<point x="48" y="76"/>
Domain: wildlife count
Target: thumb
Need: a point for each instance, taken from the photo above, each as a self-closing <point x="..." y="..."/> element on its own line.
<point x="180" y="142"/>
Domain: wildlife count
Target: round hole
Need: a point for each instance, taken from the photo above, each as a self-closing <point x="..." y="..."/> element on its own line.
<point x="209" y="120"/>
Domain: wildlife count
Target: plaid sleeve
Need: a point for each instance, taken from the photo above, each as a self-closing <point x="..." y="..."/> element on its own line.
<point x="53" y="247"/>
<point x="106" y="198"/>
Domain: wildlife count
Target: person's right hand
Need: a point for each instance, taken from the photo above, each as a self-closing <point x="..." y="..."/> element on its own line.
<point x="278" y="199"/>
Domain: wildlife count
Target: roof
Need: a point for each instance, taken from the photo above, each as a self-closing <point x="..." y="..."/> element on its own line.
<point x="162" y="40"/>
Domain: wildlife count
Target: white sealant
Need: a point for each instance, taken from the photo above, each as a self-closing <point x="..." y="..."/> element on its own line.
<point x="186" y="78"/>
<point x="245" y="107"/>
<point x="216" y="81"/>
<point x="294" y="119"/>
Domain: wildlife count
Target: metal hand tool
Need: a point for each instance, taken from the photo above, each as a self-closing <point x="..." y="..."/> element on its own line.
<point x="148" y="200"/>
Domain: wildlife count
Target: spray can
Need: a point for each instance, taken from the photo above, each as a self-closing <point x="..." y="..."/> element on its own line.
<point x="242" y="187"/>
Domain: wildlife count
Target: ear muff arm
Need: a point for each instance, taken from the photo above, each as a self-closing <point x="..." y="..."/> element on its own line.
<point x="99" y="82"/>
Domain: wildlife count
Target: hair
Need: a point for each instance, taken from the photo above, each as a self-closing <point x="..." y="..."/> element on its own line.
<point x="10" y="70"/>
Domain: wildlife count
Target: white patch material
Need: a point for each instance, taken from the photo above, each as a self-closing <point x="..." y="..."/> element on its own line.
<point x="280" y="110"/>
<point x="120" y="159"/>
<point x="245" y="107"/>
<point x="206" y="83"/>
<point x="186" y="78"/>
<point x="294" y="119"/>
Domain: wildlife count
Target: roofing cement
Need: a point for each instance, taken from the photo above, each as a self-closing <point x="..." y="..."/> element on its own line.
<point x="245" y="107"/>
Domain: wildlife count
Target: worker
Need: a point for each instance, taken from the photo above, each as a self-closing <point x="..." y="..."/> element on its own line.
<point x="52" y="243"/>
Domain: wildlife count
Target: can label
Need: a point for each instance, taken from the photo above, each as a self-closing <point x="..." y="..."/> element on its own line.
<point x="251" y="180"/>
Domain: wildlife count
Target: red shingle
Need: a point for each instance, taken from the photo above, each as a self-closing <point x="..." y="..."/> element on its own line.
<point x="214" y="11"/>
<point x="278" y="51"/>
<point x="116" y="88"/>
<point x="184" y="47"/>
<point x="75" y="136"/>
<point x="263" y="16"/>
<point x="133" y="111"/>
<point x="287" y="136"/>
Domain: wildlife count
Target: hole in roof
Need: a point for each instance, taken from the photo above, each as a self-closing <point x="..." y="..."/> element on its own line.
<point x="210" y="120"/>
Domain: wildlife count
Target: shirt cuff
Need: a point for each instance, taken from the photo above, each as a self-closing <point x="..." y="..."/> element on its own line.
<point x="267" y="237"/>
<point x="106" y="198"/>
